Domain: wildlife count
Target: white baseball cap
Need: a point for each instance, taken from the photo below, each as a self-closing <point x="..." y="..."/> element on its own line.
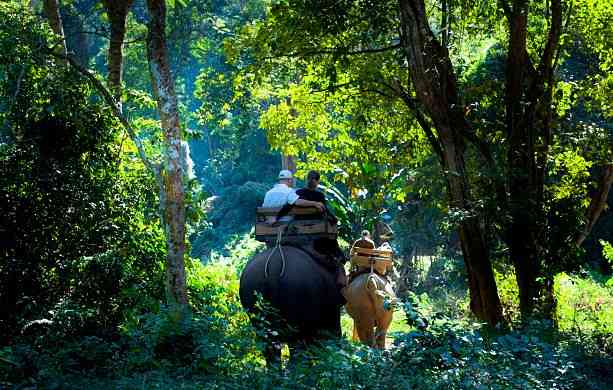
<point x="285" y="174"/>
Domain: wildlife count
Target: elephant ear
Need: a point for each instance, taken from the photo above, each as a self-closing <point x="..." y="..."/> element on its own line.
<point x="380" y="294"/>
<point x="381" y="298"/>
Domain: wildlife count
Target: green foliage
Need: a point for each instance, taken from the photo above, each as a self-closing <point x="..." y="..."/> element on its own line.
<point x="585" y="305"/>
<point x="367" y="145"/>
<point x="460" y="356"/>
<point x="216" y="339"/>
<point x="591" y="24"/>
<point x="575" y="171"/>
<point x="444" y="287"/>
<point x="230" y="214"/>
<point x="81" y="260"/>
<point x="607" y="250"/>
<point x="508" y="293"/>
<point x="216" y="348"/>
<point x="79" y="247"/>
<point x="234" y="150"/>
<point x="419" y="221"/>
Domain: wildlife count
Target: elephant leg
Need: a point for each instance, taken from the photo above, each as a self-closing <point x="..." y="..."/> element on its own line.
<point x="272" y="353"/>
<point x="383" y="324"/>
<point x="366" y="331"/>
<point x="334" y="328"/>
<point x="298" y="351"/>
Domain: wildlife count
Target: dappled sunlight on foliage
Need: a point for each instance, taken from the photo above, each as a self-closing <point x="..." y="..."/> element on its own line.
<point x="216" y="346"/>
<point x="585" y="305"/>
<point x="498" y="199"/>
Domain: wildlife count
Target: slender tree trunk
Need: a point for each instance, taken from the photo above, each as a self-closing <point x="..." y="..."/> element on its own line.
<point x="288" y="162"/>
<point x="172" y="196"/>
<point x="169" y="175"/>
<point x="529" y="116"/>
<point x="118" y="13"/>
<point x="435" y="86"/>
<point x="524" y="209"/>
<point x="51" y="8"/>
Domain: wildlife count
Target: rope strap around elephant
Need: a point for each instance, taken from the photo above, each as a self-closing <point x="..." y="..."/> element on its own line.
<point x="277" y="246"/>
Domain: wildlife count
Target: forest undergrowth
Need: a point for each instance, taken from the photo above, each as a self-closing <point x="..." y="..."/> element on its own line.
<point x="83" y="252"/>
<point x="218" y="348"/>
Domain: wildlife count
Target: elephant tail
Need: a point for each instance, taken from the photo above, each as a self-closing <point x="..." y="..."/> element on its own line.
<point x="372" y="289"/>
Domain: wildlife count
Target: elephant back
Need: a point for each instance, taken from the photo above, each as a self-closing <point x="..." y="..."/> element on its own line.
<point x="304" y="292"/>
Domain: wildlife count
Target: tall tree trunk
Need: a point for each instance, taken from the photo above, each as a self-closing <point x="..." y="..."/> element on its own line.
<point x="435" y="86"/>
<point x="172" y="196"/>
<point x="51" y="8"/>
<point x="529" y="116"/>
<point x="118" y="13"/>
<point x="288" y="162"/>
<point x="525" y="210"/>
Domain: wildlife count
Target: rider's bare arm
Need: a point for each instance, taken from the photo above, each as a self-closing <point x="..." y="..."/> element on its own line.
<point x="309" y="203"/>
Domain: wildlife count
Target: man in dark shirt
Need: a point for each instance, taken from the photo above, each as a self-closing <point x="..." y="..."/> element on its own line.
<point x="310" y="191"/>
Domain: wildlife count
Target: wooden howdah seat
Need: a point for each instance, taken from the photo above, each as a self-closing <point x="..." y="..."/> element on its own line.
<point x="312" y="225"/>
<point x="381" y="261"/>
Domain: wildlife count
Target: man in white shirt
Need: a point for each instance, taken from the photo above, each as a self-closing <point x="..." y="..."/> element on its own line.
<point x="283" y="193"/>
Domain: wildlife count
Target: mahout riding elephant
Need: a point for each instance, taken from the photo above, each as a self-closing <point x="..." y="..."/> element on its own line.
<point x="302" y="292"/>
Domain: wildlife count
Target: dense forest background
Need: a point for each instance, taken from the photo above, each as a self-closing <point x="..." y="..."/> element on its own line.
<point x="138" y="137"/>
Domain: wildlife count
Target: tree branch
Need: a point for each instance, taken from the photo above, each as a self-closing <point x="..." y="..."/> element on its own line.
<point x="108" y="98"/>
<point x="16" y="93"/>
<point x="412" y="104"/>
<point x="565" y="28"/>
<point x="506" y="7"/>
<point x="597" y="204"/>
<point x="336" y="50"/>
<point x="378" y="92"/>
<point x="545" y="67"/>
<point x="332" y="88"/>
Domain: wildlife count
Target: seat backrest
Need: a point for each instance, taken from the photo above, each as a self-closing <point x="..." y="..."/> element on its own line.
<point x="374" y="253"/>
<point x="380" y="260"/>
<point x="262" y="212"/>
<point x="314" y="226"/>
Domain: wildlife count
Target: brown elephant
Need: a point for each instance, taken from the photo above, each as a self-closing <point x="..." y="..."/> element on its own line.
<point x="302" y="292"/>
<point x="370" y="299"/>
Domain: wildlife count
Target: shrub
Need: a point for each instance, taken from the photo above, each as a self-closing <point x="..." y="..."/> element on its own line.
<point x="584" y="305"/>
<point x="75" y="237"/>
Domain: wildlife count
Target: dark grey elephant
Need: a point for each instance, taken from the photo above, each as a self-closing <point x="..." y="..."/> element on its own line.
<point x="303" y="294"/>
